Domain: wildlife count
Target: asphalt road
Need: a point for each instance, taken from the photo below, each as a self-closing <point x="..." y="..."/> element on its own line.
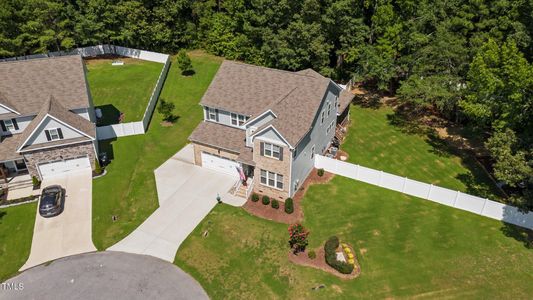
<point x="103" y="275"/>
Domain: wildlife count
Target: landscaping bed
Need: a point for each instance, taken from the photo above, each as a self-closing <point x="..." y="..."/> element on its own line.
<point x="319" y="262"/>
<point x="257" y="208"/>
<point x="4" y="202"/>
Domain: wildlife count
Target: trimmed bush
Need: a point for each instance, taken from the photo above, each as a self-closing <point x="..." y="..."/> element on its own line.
<point x="320" y="172"/>
<point x="289" y="206"/>
<point x="97" y="168"/>
<point x="331" y="256"/>
<point x="255" y="197"/>
<point x="265" y="200"/>
<point x="35" y="181"/>
<point x="311" y="254"/>
<point x="274" y="203"/>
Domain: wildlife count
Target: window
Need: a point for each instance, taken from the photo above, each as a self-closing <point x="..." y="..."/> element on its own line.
<point x="9" y="125"/>
<point x="54" y="134"/>
<point x="272" y="151"/>
<point x="238" y="120"/>
<point x="212" y="114"/>
<point x="272" y="179"/>
<point x="313" y="152"/>
<point x="329" y="109"/>
<point x="330" y="126"/>
<point x="322" y="118"/>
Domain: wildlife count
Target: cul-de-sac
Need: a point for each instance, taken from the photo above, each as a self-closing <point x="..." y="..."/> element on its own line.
<point x="309" y="149"/>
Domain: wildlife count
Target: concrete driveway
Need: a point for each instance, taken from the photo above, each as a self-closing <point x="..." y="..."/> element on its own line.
<point x="105" y="275"/>
<point x="186" y="194"/>
<point x="70" y="232"/>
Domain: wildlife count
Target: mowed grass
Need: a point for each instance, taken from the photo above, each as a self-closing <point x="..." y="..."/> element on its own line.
<point x="16" y="232"/>
<point x="374" y="141"/>
<point x="128" y="190"/>
<point x="407" y="248"/>
<point x="125" y="89"/>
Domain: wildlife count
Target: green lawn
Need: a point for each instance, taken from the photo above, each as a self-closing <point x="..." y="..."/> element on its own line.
<point x="128" y="190"/>
<point x="407" y="247"/>
<point x="373" y="141"/>
<point x="16" y="231"/>
<point x="126" y="88"/>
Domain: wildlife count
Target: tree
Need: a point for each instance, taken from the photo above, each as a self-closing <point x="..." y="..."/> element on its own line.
<point x="298" y="238"/>
<point x="166" y="109"/>
<point x="184" y="63"/>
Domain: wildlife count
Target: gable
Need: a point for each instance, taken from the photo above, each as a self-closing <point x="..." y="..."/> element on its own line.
<point x="39" y="135"/>
<point x="261" y="119"/>
<point x="4" y="109"/>
<point x="271" y="135"/>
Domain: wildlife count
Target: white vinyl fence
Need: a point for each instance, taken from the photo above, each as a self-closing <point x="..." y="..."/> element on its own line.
<point x="122" y="129"/>
<point x="456" y="199"/>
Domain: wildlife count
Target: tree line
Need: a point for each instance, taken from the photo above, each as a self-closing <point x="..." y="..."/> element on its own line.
<point x="468" y="61"/>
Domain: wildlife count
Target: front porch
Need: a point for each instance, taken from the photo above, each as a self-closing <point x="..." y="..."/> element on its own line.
<point x="18" y="185"/>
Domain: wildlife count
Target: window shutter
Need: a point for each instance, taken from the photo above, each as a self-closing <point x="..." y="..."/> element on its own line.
<point x="262" y="146"/>
<point x="60" y="133"/>
<point x="216" y="114"/>
<point x="47" y="135"/>
<point x="15" y="124"/>
<point x="280" y="153"/>
<point x="3" y="126"/>
<point x="206" y="112"/>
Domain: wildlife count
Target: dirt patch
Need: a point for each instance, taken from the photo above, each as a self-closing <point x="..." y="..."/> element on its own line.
<point x="279" y="215"/>
<point x="166" y="124"/>
<point x="319" y="262"/>
<point x="109" y="58"/>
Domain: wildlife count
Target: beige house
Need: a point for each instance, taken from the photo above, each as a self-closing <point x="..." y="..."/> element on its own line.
<point x="47" y="122"/>
<point x="267" y="125"/>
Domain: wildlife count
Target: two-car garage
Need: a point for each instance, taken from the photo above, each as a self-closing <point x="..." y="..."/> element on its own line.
<point x="220" y="164"/>
<point x="67" y="165"/>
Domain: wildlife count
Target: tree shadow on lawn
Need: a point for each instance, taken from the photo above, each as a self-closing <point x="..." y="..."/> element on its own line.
<point x="106" y="146"/>
<point x="520" y="234"/>
<point x="2" y="215"/>
<point x="110" y="115"/>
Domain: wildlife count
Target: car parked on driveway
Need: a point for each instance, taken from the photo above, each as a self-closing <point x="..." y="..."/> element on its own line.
<point x="52" y="201"/>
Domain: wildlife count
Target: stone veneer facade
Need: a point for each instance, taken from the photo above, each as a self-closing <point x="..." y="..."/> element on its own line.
<point x="282" y="167"/>
<point x="33" y="158"/>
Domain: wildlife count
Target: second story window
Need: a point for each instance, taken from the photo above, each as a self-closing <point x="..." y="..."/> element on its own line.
<point x="271" y="150"/>
<point x="329" y="109"/>
<point x="238" y="120"/>
<point x="322" y="118"/>
<point x="53" y="134"/>
<point x="211" y="114"/>
<point x="9" y="125"/>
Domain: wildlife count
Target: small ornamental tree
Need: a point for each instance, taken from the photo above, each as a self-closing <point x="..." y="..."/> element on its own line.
<point x="165" y="108"/>
<point x="184" y="62"/>
<point x="298" y="238"/>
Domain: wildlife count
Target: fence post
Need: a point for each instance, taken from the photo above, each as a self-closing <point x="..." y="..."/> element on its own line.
<point x="356" y="172"/>
<point x="456" y="197"/>
<point x="404" y="184"/>
<point x="429" y="192"/>
<point x="380" y="178"/>
<point x="483" y="208"/>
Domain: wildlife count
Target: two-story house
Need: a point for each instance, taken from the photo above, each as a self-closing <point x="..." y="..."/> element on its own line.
<point x="47" y="121"/>
<point x="267" y="125"/>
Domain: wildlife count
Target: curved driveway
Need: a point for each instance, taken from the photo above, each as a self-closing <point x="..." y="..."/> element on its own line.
<point x="105" y="275"/>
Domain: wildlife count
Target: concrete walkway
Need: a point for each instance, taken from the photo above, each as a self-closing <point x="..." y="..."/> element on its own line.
<point x="70" y="232"/>
<point x="186" y="193"/>
<point x="105" y="275"/>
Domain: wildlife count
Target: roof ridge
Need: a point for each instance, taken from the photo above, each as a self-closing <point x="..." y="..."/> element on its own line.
<point x="270" y="69"/>
<point x="38" y="58"/>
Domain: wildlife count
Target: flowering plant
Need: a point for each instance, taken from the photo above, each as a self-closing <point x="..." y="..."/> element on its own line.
<point x="298" y="237"/>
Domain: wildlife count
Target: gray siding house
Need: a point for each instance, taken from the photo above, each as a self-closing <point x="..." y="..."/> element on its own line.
<point x="47" y="121"/>
<point x="267" y="125"/>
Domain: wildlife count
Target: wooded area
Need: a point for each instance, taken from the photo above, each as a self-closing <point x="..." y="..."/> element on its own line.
<point x="468" y="61"/>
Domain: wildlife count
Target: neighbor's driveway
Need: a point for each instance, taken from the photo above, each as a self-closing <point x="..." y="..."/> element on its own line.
<point x="70" y="232"/>
<point x="186" y="194"/>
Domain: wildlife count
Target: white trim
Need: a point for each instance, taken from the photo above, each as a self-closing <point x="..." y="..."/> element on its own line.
<point x="275" y="180"/>
<point x="280" y="149"/>
<point x="9" y="108"/>
<point x="61" y="145"/>
<point x="56" y="119"/>
<point x="259" y="116"/>
<point x="275" y="130"/>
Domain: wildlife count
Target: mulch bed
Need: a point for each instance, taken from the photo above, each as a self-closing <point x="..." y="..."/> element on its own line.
<point x="319" y="262"/>
<point x="279" y="215"/>
<point x="5" y="202"/>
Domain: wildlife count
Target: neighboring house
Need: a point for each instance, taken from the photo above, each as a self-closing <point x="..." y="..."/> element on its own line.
<point x="267" y="123"/>
<point x="46" y="117"/>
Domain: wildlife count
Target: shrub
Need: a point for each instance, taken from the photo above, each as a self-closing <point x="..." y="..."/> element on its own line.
<point x="35" y="181"/>
<point x="255" y="197"/>
<point x="289" y="206"/>
<point x="265" y="200"/>
<point x="298" y="238"/>
<point x="331" y="256"/>
<point x="165" y="109"/>
<point x="97" y="167"/>
<point x="274" y="203"/>
<point x="184" y="63"/>
<point x="311" y="254"/>
<point x="320" y="172"/>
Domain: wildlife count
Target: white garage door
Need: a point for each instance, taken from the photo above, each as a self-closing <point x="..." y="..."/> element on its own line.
<point x="220" y="164"/>
<point x="60" y="167"/>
